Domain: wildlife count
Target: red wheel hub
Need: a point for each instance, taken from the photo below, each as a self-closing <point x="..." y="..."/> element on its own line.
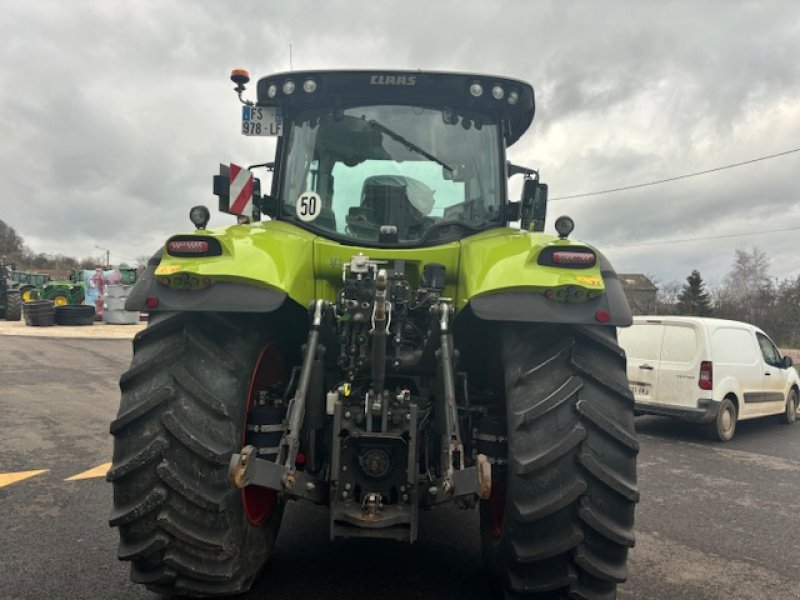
<point x="497" y="507"/>
<point x="270" y="370"/>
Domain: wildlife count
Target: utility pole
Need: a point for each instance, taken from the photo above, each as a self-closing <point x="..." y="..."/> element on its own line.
<point x="108" y="256"/>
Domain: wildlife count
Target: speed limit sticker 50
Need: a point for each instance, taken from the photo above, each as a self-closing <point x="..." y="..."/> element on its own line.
<point x="309" y="206"/>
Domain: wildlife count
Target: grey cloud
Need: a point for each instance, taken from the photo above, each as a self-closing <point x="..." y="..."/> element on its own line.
<point x="114" y="115"/>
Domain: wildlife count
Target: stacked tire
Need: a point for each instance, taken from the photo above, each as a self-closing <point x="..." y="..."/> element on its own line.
<point x="39" y="313"/>
<point x="75" y="314"/>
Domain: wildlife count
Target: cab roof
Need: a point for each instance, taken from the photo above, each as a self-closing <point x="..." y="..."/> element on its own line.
<point x="417" y="88"/>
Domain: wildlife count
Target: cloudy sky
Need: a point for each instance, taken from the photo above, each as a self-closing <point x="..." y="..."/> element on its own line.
<point x="115" y="115"/>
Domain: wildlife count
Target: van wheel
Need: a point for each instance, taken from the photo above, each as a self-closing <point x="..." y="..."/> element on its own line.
<point x="790" y="416"/>
<point x="724" y="426"/>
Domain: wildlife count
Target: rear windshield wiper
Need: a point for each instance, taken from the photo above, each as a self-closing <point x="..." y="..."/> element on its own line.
<point x="408" y="144"/>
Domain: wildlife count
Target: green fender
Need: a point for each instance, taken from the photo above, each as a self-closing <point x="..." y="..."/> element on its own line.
<point x="501" y="279"/>
<point x="256" y="268"/>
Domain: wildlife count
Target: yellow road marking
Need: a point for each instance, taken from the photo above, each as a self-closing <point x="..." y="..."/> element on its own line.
<point x="9" y="478"/>
<point x="98" y="471"/>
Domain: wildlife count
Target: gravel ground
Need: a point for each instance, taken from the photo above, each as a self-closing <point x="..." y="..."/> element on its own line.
<point x="99" y="330"/>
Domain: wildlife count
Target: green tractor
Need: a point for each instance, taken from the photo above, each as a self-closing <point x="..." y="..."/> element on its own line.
<point x="29" y="284"/>
<point x="384" y="343"/>
<point x="10" y="294"/>
<point x="63" y="292"/>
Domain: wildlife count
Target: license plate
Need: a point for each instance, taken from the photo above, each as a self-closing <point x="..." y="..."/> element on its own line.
<point x="640" y="390"/>
<point x="261" y="120"/>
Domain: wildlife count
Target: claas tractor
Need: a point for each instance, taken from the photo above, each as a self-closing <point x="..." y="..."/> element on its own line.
<point x="381" y="331"/>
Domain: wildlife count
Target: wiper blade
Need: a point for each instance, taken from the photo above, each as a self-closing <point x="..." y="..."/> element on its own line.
<point x="408" y="144"/>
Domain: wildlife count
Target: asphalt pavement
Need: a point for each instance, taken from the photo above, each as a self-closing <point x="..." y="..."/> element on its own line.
<point x="716" y="521"/>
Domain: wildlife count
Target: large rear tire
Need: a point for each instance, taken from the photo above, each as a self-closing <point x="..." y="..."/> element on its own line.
<point x="182" y="414"/>
<point x="13" y="306"/>
<point x="559" y="522"/>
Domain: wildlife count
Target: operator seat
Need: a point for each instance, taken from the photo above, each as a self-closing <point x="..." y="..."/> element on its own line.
<point x="385" y="201"/>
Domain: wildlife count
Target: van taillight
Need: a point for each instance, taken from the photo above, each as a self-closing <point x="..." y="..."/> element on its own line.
<point x="706" y="381"/>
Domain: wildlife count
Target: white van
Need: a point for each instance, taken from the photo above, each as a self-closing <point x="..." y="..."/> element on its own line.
<point x="708" y="371"/>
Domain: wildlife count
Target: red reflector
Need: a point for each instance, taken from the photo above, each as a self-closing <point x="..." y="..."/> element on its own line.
<point x="602" y="316"/>
<point x="301" y="459"/>
<point x="151" y="302"/>
<point x="572" y="257"/>
<point x="706" y="381"/>
<point x="187" y="246"/>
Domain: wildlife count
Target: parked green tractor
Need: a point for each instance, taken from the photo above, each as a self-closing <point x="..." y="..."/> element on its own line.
<point x="30" y="284"/>
<point x="10" y="294"/>
<point x="388" y="341"/>
<point x="63" y="293"/>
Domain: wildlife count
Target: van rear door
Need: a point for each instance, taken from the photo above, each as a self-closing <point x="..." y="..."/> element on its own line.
<point x="642" y="344"/>
<point x="680" y="365"/>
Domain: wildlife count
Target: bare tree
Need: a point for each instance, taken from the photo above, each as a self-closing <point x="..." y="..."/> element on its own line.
<point x="749" y="291"/>
<point x="667" y="297"/>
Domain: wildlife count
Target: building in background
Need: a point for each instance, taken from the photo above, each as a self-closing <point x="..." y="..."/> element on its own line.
<point x="640" y="292"/>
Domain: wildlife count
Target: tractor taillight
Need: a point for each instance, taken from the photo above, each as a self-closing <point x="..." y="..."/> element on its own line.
<point x="573" y="258"/>
<point x="192" y="246"/>
<point x="187" y="247"/>
<point x="570" y="257"/>
<point x="706" y="380"/>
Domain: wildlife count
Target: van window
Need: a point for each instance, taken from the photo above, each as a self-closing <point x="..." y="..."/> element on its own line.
<point x="733" y="347"/>
<point x="642" y="341"/>
<point x="768" y="350"/>
<point x="680" y="344"/>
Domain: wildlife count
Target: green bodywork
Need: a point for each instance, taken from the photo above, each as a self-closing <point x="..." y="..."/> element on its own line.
<point x="72" y="292"/>
<point x="284" y="257"/>
<point x="420" y="176"/>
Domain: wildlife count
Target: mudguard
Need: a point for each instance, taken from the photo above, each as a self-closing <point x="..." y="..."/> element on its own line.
<point x="252" y="268"/>
<point x="224" y="297"/>
<point x="498" y="274"/>
<point x="501" y="279"/>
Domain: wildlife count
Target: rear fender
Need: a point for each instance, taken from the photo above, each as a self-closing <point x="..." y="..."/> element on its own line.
<point x="501" y="280"/>
<point x="255" y="269"/>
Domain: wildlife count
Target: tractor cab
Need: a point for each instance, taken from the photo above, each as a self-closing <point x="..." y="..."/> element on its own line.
<point x="375" y="158"/>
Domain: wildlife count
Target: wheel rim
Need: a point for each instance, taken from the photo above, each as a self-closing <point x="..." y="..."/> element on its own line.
<point x="60" y="300"/>
<point x="270" y="369"/>
<point x="27" y="295"/>
<point x="726" y="420"/>
<point x="791" y="411"/>
<point x="497" y="507"/>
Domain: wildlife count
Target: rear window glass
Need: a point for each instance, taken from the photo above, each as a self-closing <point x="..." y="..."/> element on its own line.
<point x="680" y="344"/>
<point x="642" y="341"/>
<point x="733" y="347"/>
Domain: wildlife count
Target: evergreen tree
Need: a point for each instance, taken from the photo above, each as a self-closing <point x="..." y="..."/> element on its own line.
<point x="694" y="299"/>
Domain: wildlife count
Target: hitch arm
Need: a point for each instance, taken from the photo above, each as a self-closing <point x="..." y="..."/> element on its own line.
<point x="290" y="443"/>
<point x="451" y="439"/>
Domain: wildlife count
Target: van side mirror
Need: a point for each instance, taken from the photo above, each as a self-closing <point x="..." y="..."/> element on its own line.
<point x="533" y="205"/>
<point x="787" y="362"/>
